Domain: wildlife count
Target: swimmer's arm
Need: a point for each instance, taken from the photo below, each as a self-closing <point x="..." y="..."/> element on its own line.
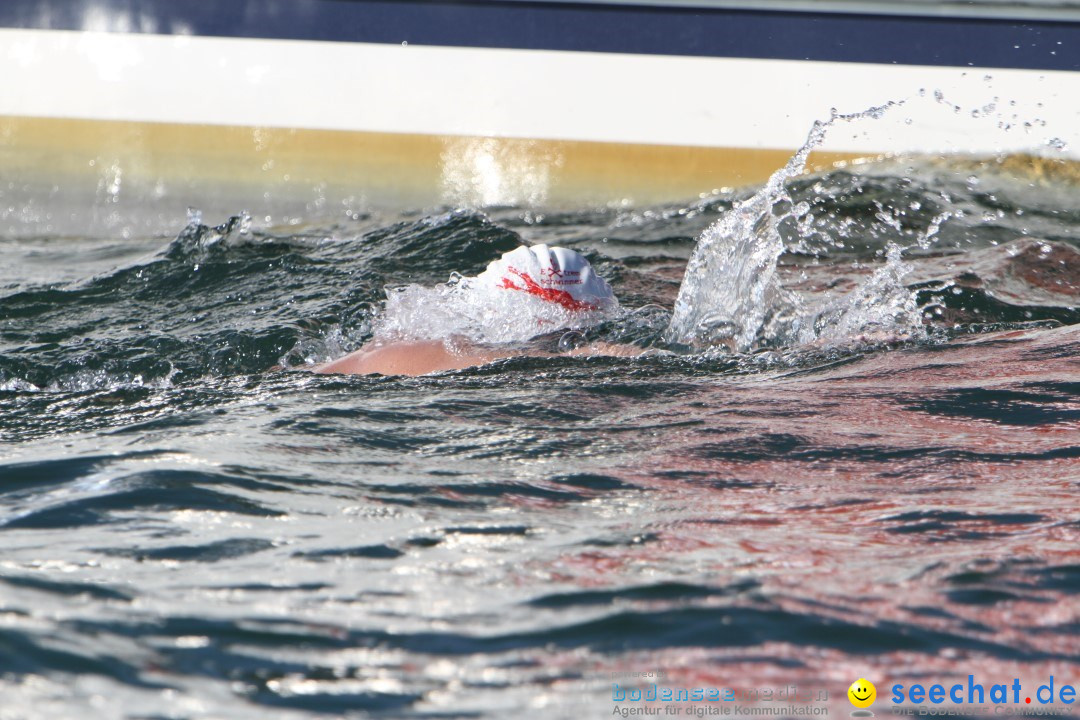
<point x="412" y="358"/>
<point x="422" y="358"/>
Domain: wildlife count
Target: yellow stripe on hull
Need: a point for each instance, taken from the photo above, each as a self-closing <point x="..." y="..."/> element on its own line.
<point x="193" y="162"/>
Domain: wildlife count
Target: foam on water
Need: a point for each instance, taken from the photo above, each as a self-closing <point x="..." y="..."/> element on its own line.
<point x="461" y="309"/>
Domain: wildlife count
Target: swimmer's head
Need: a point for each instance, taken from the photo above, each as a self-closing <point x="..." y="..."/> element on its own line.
<point x="553" y="274"/>
<point x="528" y="293"/>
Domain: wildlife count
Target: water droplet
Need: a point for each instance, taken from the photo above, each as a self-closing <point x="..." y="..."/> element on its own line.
<point x="571" y="341"/>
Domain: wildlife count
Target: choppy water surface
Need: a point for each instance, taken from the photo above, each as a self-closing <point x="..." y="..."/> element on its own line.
<point x="872" y="472"/>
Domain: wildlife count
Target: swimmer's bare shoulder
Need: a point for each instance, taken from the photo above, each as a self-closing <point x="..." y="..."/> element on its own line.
<point x="408" y="358"/>
<point x="425" y="357"/>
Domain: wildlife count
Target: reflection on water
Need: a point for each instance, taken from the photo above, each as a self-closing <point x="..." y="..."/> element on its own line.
<point x="482" y="172"/>
<point x="191" y="532"/>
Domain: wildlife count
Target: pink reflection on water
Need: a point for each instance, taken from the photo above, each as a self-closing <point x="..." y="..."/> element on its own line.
<point x="882" y="494"/>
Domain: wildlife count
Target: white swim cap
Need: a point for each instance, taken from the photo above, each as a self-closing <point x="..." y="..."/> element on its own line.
<point x="557" y="275"/>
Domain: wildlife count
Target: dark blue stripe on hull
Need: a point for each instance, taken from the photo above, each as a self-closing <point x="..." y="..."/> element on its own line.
<point x="635" y="29"/>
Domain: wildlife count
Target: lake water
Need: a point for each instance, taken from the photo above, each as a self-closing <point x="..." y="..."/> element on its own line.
<point x="852" y="450"/>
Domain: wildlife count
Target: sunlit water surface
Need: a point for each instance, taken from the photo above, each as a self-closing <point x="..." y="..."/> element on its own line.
<point x="880" y="481"/>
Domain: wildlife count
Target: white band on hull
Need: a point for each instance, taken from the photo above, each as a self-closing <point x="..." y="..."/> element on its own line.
<point x="600" y="97"/>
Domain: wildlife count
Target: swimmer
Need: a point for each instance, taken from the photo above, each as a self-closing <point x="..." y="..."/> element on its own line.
<point x="555" y="286"/>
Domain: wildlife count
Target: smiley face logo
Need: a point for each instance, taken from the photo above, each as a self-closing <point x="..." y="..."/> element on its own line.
<point x="862" y="693"/>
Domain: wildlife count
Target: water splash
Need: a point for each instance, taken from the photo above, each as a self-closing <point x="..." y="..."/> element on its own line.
<point x="731" y="295"/>
<point x="459" y="309"/>
<point x="196" y="239"/>
<point x="880" y="309"/>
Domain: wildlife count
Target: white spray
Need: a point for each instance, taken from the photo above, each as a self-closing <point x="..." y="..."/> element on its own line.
<point x="731" y="296"/>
